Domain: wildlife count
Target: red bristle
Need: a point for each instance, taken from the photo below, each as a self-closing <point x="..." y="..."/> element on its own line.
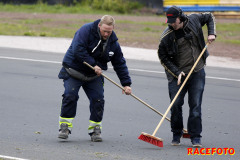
<point x="151" y="140"/>
<point x="186" y="135"/>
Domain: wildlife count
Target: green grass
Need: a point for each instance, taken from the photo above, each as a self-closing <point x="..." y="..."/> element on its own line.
<point x="228" y="33"/>
<point x="41" y="27"/>
<point x="228" y="27"/>
<point x="85" y="7"/>
<point x="140" y="23"/>
<point x="12" y="29"/>
<point x="44" y="8"/>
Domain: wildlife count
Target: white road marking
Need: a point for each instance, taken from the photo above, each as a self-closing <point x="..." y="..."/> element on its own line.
<point x="11" y="158"/>
<point x="138" y="70"/>
<point x="27" y="59"/>
<point x="143" y="70"/>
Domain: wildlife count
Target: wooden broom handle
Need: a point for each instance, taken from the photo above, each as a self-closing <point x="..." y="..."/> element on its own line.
<point x="130" y="94"/>
<point x="180" y="89"/>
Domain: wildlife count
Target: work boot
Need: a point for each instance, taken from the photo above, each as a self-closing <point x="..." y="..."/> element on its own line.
<point x="196" y="142"/>
<point x="176" y="139"/>
<point x="96" y="135"/>
<point x="63" y="131"/>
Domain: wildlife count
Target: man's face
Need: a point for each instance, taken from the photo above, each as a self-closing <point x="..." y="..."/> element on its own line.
<point x="105" y="30"/>
<point x="177" y="24"/>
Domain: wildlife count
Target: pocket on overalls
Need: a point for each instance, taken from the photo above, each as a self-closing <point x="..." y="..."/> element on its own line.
<point x="63" y="74"/>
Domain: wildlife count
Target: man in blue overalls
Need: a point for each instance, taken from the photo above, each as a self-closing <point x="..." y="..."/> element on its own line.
<point x="97" y="44"/>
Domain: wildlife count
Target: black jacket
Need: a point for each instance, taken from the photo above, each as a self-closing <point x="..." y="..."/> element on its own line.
<point x="168" y="47"/>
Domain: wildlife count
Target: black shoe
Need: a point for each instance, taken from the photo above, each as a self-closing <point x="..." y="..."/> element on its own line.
<point x="96" y="135"/>
<point x="176" y="139"/>
<point x="196" y="142"/>
<point x="64" y="131"/>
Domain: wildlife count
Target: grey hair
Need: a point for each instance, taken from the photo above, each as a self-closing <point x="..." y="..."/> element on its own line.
<point x="108" y="20"/>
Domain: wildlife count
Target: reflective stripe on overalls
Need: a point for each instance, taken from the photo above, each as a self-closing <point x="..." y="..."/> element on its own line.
<point x="67" y="121"/>
<point x="92" y="124"/>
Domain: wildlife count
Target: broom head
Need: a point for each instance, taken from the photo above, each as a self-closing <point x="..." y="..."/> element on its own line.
<point x="151" y="139"/>
<point x="186" y="134"/>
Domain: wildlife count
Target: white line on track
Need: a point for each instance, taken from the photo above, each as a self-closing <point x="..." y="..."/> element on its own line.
<point x="27" y="59"/>
<point x="138" y="70"/>
<point x="11" y="158"/>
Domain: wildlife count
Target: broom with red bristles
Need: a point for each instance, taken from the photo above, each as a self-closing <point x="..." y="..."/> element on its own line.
<point x="158" y="141"/>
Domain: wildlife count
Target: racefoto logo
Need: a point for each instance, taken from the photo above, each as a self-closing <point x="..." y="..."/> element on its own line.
<point x="210" y="151"/>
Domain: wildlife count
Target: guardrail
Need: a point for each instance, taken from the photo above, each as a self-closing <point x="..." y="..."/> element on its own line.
<point x="198" y="8"/>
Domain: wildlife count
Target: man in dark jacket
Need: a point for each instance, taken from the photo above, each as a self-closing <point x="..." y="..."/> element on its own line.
<point x="180" y="45"/>
<point x="95" y="43"/>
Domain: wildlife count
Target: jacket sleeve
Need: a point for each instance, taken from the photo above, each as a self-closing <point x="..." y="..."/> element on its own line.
<point x="79" y="46"/>
<point x="164" y="54"/>
<point x="208" y="19"/>
<point x="120" y="66"/>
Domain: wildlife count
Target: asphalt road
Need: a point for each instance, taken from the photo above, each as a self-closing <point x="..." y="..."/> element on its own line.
<point x="30" y="97"/>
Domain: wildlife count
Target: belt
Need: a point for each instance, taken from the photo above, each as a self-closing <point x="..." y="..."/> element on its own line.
<point x="78" y="75"/>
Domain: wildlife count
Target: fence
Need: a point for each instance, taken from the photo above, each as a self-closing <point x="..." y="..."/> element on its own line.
<point x="204" y="5"/>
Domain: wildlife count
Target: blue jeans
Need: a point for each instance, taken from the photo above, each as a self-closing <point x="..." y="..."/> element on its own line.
<point x="194" y="87"/>
<point x="94" y="91"/>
